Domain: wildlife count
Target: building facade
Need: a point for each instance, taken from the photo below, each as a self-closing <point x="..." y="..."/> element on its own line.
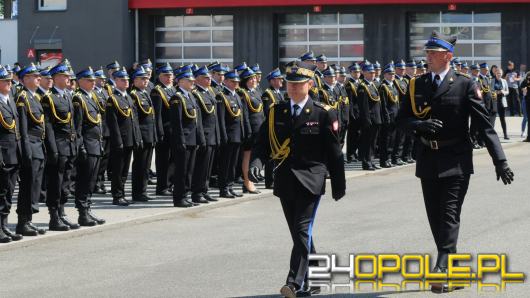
<point x="270" y="32"/>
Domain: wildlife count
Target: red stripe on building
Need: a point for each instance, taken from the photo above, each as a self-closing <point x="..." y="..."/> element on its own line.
<point x="139" y="4"/>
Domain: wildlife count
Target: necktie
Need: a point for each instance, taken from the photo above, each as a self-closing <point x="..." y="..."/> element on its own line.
<point x="435" y="83"/>
<point x="295" y="112"/>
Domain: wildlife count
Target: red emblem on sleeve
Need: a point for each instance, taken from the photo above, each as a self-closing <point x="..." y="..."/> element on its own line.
<point x="335" y="125"/>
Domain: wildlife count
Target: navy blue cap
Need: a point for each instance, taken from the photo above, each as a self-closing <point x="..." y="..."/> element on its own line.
<point x="219" y="68"/>
<point x="139" y="72"/>
<point x="86" y="74"/>
<point x="389" y="68"/>
<point x="8" y="68"/>
<point x="201" y="71"/>
<point x="309" y="56"/>
<point x="298" y="72"/>
<point x="456" y="61"/>
<point x="121" y="73"/>
<point x="411" y="63"/>
<point x="484" y="65"/>
<point x="194" y="67"/>
<point x="232" y="75"/>
<point x="464" y="65"/>
<point x="186" y="74"/>
<point x="369" y="67"/>
<point x="146" y="64"/>
<point x="400" y="64"/>
<point x="100" y="74"/>
<point x="16" y="69"/>
<point x="275" y="74"/>
<point x="440" y="42"/>
<point x="474" y="67"/>
<point x="30" y="69"/>
<point x="377" y="65"/>
<point x="164" y="68"/>
<point x="183" y="68"/>
<point x="354" y="67"/>
<point x="420" y="65"/>
<point x="341" y="71"/>
<point x="256" y="69"/>
<point x="329" y="72"/>
<point x="5" y="75"/>
<point x="247" y="73"/>
<point x="213" y="64"/>
<point x="241" y="67"/>
<point x="113" y="65"/>
<point x="45" y="72"/>
<point x="61" y="68"/>
<point x="322" y="58"/>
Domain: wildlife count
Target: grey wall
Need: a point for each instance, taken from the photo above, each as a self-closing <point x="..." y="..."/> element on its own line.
<point x="93" y="32"/>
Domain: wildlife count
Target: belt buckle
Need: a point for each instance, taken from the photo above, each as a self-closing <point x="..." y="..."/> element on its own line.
<point x="434" y="144"/>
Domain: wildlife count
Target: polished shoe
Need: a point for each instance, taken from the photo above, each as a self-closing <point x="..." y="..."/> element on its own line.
<point x="98" y="220"/>
<point x="4" y="238"/>
<point x="443" y="287"/>
<point x="288" y="291"/>
<point x="84" y="219"/>
<point x="385" y="164"/>
<point x="164" y="193"/>
<point x="226" y="194"/>
<point x="246" y="190"/>
<point x="238" y="195"/>
<point x="182" y="203"/>
<point x="64" y="218"/>
<point x="7" y="231"/>
<point x="23" y="227"/>
<point x="120" y="202"/>
<point x="199" y="200"/>
<point x="142" y="198"/>
<point x="376" y="166"/>
<point x="409" y="160"/>
<point x="192" y="203"/>
<point x="40" y="231"/>
<point x="368" y="167"/>
<point x="209" y="198"/>
<point x="56" y="224"/>
<point x="151" y="182"/>
<point x="398" y="162"/>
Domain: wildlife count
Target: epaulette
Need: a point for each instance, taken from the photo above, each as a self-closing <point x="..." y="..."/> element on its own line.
<point x="22" y="95"/>
<point x="322" y="105"/>
<point x="463" y="74"/>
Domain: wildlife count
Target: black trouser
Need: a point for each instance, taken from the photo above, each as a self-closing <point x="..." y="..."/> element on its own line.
<point x="30" y="187"/>
<point x="269" y="173"/>
<point x="502" y="118"/>
<point x="87" y="174"/>
<point x="387" y="138"/>
<point x="104" y="161"/>
<point x="368" y="143"/>
<point x="8" y="180"/>
<point x="140" y="169"/>
<point x="56" y="181"/>
<point x="300" y="211"/>
<point x="164" y="166"/>
<point x="493" y="117"/>
<point x="120" y="160"/>
<point x="408" y="147"/>
<point x="513" y="102"/>
<point x="399" y="141"/>
<point x="342" y="133"/>
<point x="353" y="138"/>
<point x="70" y="174"/>
<point x="228" y="156"/>
<point x="203" y="170"/>
<point x="443" y="201"/>
<point x="184" y="166"/>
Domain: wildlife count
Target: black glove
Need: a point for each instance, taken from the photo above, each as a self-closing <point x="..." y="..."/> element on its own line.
<point x="429" y="127"/>
<point x="254" y="174"/>
<point x="52" y="158"/>
<point x="504" y="173"/>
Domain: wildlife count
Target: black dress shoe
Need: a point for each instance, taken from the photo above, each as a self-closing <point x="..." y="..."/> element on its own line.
<point x="192" y="203"/>
<point x="376" y="166"/>
<point x="120" y="202"/>
<point x="10" y="234"/>
<point x="288" y="291"/>
<point x="199" y="200"/>
<point x="209" y="198"/>
<point x="95" y="218"/>
<point x="164" y="193"/>
<point x="385" y="164"/>
<point x="182" y="203"/>
<point x="85" y="220"/>
<point x="142" y="198"/>
<point x="226" y="194"/>
<point x="25" y="230"/>
<point x="398" y="162"/>
<point x="37" y="229"/>
<point x="4" y="238"/>
<point x="368" y="167"/>
<point x="238" y="195"/>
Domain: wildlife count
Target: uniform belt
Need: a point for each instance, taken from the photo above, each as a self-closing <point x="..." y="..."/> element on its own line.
<point x="70" y="136"/>
<point x="39" y="135"/>
<point x="436" y="144"/>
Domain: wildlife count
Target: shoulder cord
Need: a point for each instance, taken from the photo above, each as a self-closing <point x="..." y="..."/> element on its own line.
<point x="249" y="102"/>
<point x="369" y="93"/>
<point x="227" y="105"/>
<point x="6" y="125"/>
<point x="403" y="92"/>
<point x="162" y="95"/>
<point x="26" y="102"/>
<point x="269" y="92"/>
<point x="198" y="94"/>
<point x="354" y="90"/>
<point x="278" y="152"/>
<point x="326" y="99"/>
<point x="54" y="112"/>
<point x="190" y="116"/>
<point x="412" y="89"/>
<point x="126" y="114"/>
<point x="392" y="96"/>
<point x="85" y="109"/>
<point x="149" y="111"/>
<point x="96" y="99"/>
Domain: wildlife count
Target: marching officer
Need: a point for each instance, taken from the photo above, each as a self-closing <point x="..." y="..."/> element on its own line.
<point x="89" y="124"/>
<point x="402" y="85"/>
<point x="232" y="128"/>
<point x="205" y="96"/>
<point x="272" y="95"/>
<point x="390" y="106"/>
<point x="354" y="124"/>
<point x="125" y="136"/>
<point x="100" y="97"/>
<point x="187" y="135"/>
<point x="147" y="123"/>
<point x="9" y="163"/>
<point x="31" y="119"/>
<point x="437" y="113"/>
<point x="302" y="137"/>
<point x="370" y="115"/>
<point x="160" y="96"/>
<point x="61" y="146"/>
<point x="344" y="103"/>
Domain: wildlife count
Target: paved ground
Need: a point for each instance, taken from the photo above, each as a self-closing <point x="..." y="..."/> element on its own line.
<point x="241" y="247"/>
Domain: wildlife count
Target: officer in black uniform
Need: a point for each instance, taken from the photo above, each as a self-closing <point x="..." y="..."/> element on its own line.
<point x="272" y="95"/>
<point x="100" y="97"/>
<point x="377" y="78"/>
<point x="31" y="119"/>
<point x="111" y="68"/>
<point x="302" y="137"/>
<point x="354" y="124"/>
<point x="232" y="128"/>
<point x="148" y="67"/>
<point x="16" y="86"/>
<point x="390" y="106"/>
<point x="257" y="70"/>
<point x="488" y="95"/>
<point x="146" y="120"/>
<point x="309" y="58"/>
<point x="408" y="143"/>
<point x="160" y="96"/>
<point x="61" y="146"/>
<point x="437" y="113"/>
<point x="205" y="96"/>
<point x="125" y="135"/>
<point x="344" y="102"/>
<point x="9" y="152"/>
<point x="187" y="135"/>
<point x="370" y="115"/>
<point x="218" y="72"/>
<point x="45" y="84"/>
<point x="89" y="124"/>
<point x="402" y="86"/>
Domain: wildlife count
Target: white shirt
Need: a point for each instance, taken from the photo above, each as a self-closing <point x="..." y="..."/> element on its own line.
<point x="300" y="104"/>
<point x="123" y="93"/>
<point x="186" y="93"/>
<point x="442" y="76"/>
<point x="61" y="91"/>
<point x="4" y="98"/>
